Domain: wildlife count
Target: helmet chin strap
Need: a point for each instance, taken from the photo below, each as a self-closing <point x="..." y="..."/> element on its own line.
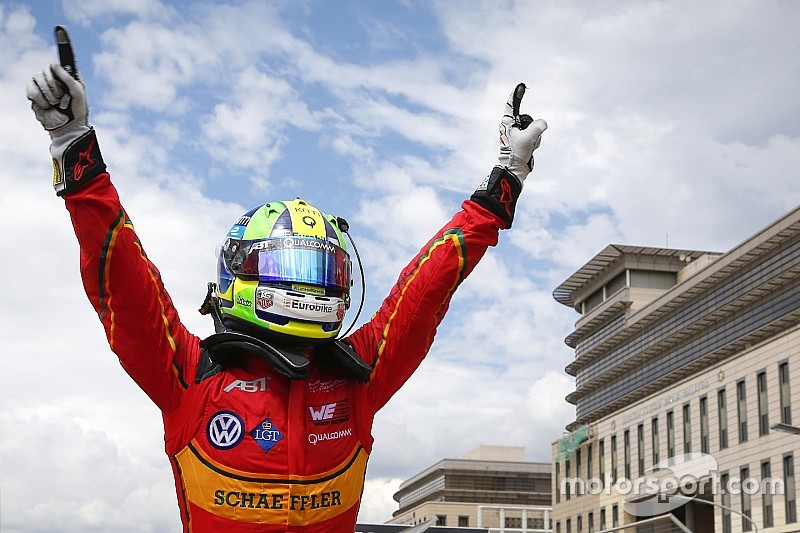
<point x="226" y="346"/>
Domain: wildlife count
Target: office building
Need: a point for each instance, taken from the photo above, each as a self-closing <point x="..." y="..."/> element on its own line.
<point x="684" y="357"/>
<point x="483" y="488"/>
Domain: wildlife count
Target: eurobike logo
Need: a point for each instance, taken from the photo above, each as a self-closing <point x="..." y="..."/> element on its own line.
<point x="671" y="484"/>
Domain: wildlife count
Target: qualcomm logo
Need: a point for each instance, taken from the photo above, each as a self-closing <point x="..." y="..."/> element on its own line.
<point x="225" y="430"/>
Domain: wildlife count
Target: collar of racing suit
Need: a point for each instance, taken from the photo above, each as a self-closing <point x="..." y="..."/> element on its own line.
<point x="224" y="348"/>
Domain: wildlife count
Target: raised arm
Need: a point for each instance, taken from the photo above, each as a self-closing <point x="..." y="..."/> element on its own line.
<point x="124" y="287"/>
<point x="400" y="334"/>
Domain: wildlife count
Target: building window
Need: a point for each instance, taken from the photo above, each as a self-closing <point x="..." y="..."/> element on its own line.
<point x="746" y="500"/>
<point x="763" y="406"/>
<point x="723" y="419"/>
<point x="463" y="520"/>
<point x="766" y="495"/>
<point x="567" y="475"/>
<point x="580" y="524"/>
<point x="726" y="503"/>
<point x="590" y="522"/>
<point x="558" y="482"/>
<point x="569" y="525"/>
<point x="687" y="429"/>
<point x="656" y="443"/>
<point x="441" y="520"/>
<point x="589" y="461"/>
<point x="640" y="448"/>
<point x="704" y="446"/>
<point x="741" y="410"/>
<point x="614" y="515"/>
<point x="578" y="464"/>
<point x="789" y="491"/>
<point x="601" y="462"/>
<point x="786" y="393"/>
<point x="626" y="446"/>
<point x="602" y="518"/>
<point x="558" y="526"/>
<point x="670" y="436"/>
<point x="613" y="458"/>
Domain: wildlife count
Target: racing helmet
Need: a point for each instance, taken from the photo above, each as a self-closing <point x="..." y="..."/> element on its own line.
<point x="284" y="274"/>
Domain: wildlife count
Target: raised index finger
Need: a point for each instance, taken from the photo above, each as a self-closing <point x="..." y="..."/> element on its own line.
<point x="65" y="54"/>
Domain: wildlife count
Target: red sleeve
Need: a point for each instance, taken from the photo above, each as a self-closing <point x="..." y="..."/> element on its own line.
<point x="400" y="334"/>
<point x="125" y="288"/>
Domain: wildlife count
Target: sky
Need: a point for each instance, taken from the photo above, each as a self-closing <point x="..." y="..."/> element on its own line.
<point x="670" y="124"/>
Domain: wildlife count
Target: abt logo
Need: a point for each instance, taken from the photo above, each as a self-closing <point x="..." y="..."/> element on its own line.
<point x="255" y="385"/>
<point x="329" y="413"/>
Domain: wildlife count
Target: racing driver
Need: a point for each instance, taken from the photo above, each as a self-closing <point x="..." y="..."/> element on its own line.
<point x="268" y="421"/>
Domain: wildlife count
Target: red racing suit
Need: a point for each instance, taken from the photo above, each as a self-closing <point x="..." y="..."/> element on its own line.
<point x="250" y="449"/>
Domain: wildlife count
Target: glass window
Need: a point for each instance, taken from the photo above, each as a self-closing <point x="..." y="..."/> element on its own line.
<point x="589" y="461"/>
<point x="626" y="443"/>
<point x="656" y="443"/>
<point x="463" y="520"/>
<point x="441" y="520"/>
<point x="704" y="446"/>
<point x="786" y="393"/>
<point x="723" y="419"/>
<point x="741" y="410"/>
<point x="602" y="518"/>
<point x="567" y="475"/>
<point x="766" y="495"/>
<point x="590" y="522"/>
<point x="601" y="462"/>
<point x="687" y="429"/>
<point x="670" y="436"/>
<point x="614" y="515"/>
<point x="746" y="499"/>
<point x="640" y="448"/>
<point x="789" y="491"/>
<point x="726" y="503"/>
<point x="558" y="482"/>
<point x="613" y="458"/>
<point x="763" y="407"/>
<point x="648" y="279"/>
<point x="619" y="282"/>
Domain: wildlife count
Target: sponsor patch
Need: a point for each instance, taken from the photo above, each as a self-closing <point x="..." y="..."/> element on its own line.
<point x="265" y="298"/>
<point x="322" y="385"/>
<point x="254" y="385"/>
<point x="330" y="413"/>
<point x="225" y="430"/>
<point x="266" y="435"/>
<point x="314" y="438"/>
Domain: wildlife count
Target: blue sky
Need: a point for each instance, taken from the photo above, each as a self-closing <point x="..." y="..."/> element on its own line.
<point x="669" y="122"/>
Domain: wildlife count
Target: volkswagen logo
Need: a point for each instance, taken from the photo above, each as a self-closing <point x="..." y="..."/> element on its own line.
<point x="225" y="430"/>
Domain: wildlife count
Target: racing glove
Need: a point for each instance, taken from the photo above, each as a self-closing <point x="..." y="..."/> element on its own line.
<point x="58" y="100"/>
<point x="520" y="135"/>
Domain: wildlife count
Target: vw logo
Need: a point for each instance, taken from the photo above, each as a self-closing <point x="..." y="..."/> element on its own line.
<point x="225" y="430"/>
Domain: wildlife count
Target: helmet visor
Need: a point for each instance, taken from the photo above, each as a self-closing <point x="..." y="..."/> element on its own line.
<point x="290" y="259"/>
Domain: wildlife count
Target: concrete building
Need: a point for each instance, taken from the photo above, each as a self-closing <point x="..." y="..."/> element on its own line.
<point x="683" y="362"/>
<point x="487" y="487"/>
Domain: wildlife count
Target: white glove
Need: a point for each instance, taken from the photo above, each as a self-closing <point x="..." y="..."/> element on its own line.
<point x="59" y="102"/>
<point x="58" y="99"/>
<point x="520" y="135"/>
